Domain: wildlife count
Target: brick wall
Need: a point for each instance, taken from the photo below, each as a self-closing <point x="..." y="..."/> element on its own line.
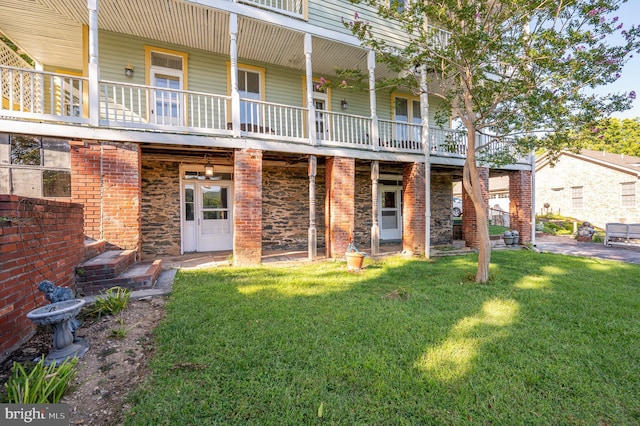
<point x="413" y="214"/>
<point x="106" y="179"/>
<point x="247" y="222"/>
<point x="469" y="224"/>
<point x="160" y="208"/>
<point x="601" y="191"/>
<point x="39" y="239"/>
<point x="520" y="204"/>
<point x="339" y="205"/>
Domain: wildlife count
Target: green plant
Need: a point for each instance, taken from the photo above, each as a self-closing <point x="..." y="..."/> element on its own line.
<point x="43" y="384"/>
<point x="112" y="301"/>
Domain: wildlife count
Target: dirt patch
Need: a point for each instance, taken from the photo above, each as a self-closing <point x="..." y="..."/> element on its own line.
<point x="120" y="348"/>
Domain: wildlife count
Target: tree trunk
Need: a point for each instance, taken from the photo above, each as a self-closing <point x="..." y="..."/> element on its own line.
<point x="471" y="184"/>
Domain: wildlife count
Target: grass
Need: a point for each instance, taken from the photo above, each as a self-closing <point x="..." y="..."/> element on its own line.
<point x="551" y="340"/>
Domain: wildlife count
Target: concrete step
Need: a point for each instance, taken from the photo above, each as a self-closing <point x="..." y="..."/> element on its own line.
<point x="139" y="276"/>
<point x="93" y="248"/>
<point x="105" y="266"/>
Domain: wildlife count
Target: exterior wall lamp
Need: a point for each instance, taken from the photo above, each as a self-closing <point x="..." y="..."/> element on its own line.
<point x="128" y="71"/>
<point x="344" y="105"/>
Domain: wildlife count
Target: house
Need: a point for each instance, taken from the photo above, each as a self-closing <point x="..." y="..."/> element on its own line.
<point x="594" y="186"/>
<point x="202" y="125"/>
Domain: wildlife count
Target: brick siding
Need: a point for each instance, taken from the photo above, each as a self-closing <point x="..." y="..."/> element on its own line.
<point x="106" y="180"/>
<point x="469" y="223"/>
<point x="247" y="202"/>
<point x="520" y="204"/>
<point x="39" y="239"/>
<point x="340" y="212"/>
<point x="413" y="216"/>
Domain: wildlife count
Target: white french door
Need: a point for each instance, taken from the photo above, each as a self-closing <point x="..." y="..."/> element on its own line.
<point x="207" y="216"/>
<point x="390" y="215"/>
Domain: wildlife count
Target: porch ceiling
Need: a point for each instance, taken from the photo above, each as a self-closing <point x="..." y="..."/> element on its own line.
<point x="50" y="31"/>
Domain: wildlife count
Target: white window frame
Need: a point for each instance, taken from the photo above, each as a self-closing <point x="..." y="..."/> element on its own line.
<point x="628" y="198"/>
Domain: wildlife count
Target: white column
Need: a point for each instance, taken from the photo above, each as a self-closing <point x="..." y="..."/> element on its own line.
<point x="375" y="208"/>
<point x="313" y="233"/>
<point x="311" y="111"/>
<point x="233" y="54"/>
<point x="371" y="62"/>
<point x="94" y="70"/>
<point x="424" y="105"/>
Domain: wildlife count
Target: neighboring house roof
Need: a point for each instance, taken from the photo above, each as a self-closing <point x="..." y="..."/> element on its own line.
<point x="625" y="163"/>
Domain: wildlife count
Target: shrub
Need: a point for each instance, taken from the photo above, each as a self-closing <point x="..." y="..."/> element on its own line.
<point x="112" y="301"/>
<point x="44" y="384"/>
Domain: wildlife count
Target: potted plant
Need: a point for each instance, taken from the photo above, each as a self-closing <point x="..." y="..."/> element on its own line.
<point x="355" y="258"/>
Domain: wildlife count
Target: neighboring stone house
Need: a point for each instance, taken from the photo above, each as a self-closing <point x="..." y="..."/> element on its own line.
<point x="594" y="186"/>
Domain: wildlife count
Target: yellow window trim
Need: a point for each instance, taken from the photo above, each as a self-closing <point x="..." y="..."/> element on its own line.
<point x="409" y="98"/>
<point x="242" y="67"/>
<point x="147" y="63"/>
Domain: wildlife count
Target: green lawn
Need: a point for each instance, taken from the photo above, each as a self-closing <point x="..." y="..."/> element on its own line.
<point x="552" y="340"/>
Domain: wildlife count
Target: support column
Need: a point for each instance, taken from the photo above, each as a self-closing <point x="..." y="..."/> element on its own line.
<point x="340" y="214"/>
<point x="313" y="232"/>
<point x="94" y="69"/>
<point x="233" y="59"/>
<point x="520" y="204"/>
<point x="371" y="61"/>
<point x="413" y="217"/>
<point x="469" y="225"/>
<point x="311" y="111"/>
<point x="375" y="209"/>
<point x="247" y="207"/>
<point x="426" y="147"/>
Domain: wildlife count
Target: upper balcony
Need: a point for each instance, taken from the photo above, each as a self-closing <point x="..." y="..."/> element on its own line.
<point x="47" y="97"/>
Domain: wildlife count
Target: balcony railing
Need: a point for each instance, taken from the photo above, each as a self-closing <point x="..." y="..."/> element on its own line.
<point x="42" y="95"/>
<point x="59" y="98"/>
<point x="293" y="8"/>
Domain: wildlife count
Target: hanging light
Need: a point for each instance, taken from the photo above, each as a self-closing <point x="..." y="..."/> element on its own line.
<point x="344" y="105"/>
<point x="208" y="167"/>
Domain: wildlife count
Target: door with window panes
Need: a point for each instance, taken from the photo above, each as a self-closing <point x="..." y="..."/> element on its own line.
<point x="167" y="103"/>
<point x="390" y="215"/>
<point x="207" y="216"/>
<point x="408" y="111"/>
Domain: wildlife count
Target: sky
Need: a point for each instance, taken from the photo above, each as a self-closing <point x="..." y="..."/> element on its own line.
<point x="629" y="14"/>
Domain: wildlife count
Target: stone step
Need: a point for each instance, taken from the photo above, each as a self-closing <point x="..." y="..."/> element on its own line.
<point x="93" y="248"/>
<point x="107" y="265"/>
<point x="139" y="276"/>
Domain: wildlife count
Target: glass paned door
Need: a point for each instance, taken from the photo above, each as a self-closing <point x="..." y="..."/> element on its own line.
<point x="249" y="88"/>
<point x="167" y="104"/>
<point x="390" y="213"/>
<point x="215" y="218"/>
<point x="322" y="127"/>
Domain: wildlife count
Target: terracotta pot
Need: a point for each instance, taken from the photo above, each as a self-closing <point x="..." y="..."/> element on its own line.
<point x="355" y="260"/>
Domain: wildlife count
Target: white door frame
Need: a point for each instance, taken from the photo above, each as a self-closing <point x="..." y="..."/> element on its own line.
<point x="390" y="233"/>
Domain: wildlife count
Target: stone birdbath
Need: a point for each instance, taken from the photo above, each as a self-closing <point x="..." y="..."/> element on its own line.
<point x="58" y="315"/>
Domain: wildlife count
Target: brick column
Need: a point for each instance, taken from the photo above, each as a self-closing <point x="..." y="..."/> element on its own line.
<point x="520" y="204"/>
<point x="469" y="225"/>
<point x="413" y="205"/>
<point x="247" y="207"/>
<point x="106" y="179"/>
<point x="340" y="205"/>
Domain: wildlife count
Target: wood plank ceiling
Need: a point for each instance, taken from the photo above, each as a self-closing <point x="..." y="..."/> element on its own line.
<point x="51" y="32"/>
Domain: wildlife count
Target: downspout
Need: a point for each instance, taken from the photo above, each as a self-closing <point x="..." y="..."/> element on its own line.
<point x="426" y="146"/>
<point x="533" y="198"/>
<point x="93" y="69"/>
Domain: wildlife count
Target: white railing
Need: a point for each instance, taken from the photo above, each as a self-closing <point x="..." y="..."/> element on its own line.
<point x="338" y="129"/>
<point x="400" y="136"/>
<point x="439" y="37"/>
<point x="30" y="94"/>
<point x="270" y="119"/>
<point x="288" y="7"/>
<point x="448" y="142"/>
<point x="43" y="95"/>
<point x="146" y="106"/>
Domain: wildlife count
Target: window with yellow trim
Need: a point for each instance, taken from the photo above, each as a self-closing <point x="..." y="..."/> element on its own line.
<point x="166" y="70"/>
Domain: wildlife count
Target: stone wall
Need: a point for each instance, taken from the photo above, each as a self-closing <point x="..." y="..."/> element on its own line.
<point x="441" y="219"/>
<point x="39" y="239"/>
<point x="160" y="208"/>
<point x="285" y="207"/>
<point x="363" y="222"/>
